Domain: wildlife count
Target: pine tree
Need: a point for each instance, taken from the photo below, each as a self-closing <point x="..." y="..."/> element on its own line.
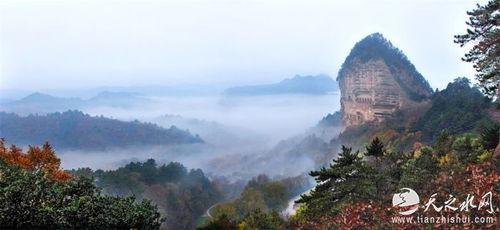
<point x="484" y="33"/>
<point x="443" y="142"/>
<point x="490" y="136"/>
<point x="376" y="148"/>
<point x="418" y="171"/>
<point x="347" y="178"/>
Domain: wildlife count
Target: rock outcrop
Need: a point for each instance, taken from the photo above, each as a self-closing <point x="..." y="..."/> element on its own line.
<point x="376" y="79"/>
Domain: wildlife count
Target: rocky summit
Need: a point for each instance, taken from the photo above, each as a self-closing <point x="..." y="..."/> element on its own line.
<point x="376" y="79"/>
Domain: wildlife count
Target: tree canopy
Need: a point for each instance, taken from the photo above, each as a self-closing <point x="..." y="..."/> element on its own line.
<point x="347" y="178"/>
<point x="484" y="34"/>
<point x="376" y="148"/>
<point x="36" y="194"/>
<point x="182" y="195"/>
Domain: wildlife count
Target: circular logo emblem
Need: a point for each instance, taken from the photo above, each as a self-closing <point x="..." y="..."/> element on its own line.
<point x="407" y="201"/>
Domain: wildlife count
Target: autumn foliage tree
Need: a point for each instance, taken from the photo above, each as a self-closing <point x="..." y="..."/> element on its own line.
<point x="36" y="194"/>
<point x="36" y="158"/>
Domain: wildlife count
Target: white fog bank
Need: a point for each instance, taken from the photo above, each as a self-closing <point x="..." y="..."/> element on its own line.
<point x="274" y="117"/>
<point x="239" y="133"/>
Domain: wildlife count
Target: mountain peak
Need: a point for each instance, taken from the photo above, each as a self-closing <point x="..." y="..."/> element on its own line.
<point x="37" y="96"/>
<point x="376" y="47"/>
<point x="378" y="37"/>
<point x="376" y="79"/>
<point x="371" y="47"/>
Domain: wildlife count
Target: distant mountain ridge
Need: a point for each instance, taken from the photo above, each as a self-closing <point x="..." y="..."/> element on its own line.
<point x="76" y="130"/>
<point x="319" y="84"/>
<point x="40" y="97"/>
<point x="117" y="99"/>
<point x="45" y="103"/>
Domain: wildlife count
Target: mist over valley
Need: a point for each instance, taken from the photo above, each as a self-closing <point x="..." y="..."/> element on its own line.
<point x="242" y="136"/>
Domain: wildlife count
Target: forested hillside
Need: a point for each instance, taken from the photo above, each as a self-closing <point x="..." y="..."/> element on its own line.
<point x="182" y="195"/>
<point x="356" y="193"/>
<point x="459" y="108"/>
<point x="76" y="130"/>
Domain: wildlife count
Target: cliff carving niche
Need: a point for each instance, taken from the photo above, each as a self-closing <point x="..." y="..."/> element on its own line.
<point x="375" y="80"/>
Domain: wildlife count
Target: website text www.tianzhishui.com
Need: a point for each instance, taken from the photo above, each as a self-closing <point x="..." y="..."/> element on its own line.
<point x="456" y="219"/>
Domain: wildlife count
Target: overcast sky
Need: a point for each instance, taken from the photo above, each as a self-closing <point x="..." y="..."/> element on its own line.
<point x="92" y="43"/>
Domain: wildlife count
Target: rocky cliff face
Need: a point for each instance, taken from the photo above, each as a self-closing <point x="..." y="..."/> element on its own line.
<point x="376" y="79"/>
